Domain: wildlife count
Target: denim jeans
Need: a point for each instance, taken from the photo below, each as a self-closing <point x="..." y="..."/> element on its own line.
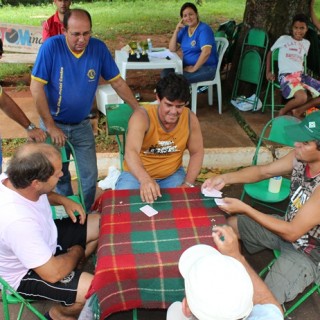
<point x="127" y="181"/>
<point x="203" y="74"/>
<point x="82" y="138"/>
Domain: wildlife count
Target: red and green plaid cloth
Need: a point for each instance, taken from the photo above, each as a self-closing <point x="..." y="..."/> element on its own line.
<point x="137" y="259"/>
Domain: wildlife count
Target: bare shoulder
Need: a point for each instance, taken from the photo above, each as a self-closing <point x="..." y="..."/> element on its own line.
<point x="194" y="121"/>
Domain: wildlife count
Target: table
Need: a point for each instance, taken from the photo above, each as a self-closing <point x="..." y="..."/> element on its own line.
<point x="121" y="58"/>
<point x="137" y="257"/>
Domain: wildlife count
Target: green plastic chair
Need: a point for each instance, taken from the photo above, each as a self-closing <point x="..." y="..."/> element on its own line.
<point x="274" y="85"/>
<point x="118" y="116"/>
<point x="10" y="296"/>
<point x="57" y="212"/>
<point x="220" y="34"/>
<point x="251" y="64"/>
<point x="273" y="132"/>
<point x="308" y="292"/>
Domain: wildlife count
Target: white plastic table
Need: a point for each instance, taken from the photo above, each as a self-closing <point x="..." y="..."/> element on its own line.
<point x="121" y="58"/>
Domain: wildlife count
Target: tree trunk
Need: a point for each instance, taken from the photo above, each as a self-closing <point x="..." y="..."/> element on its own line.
<point x="273" y="16"/>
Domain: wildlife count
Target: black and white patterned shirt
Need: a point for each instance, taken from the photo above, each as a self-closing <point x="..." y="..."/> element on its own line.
<point x="301" y="189"/>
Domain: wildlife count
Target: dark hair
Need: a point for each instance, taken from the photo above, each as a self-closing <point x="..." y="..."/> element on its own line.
<point x="173" y="87"/>
<point x="317" y="144"/>
<point x="31" y="162"/>
<point x="69" y="13"/>
<point x="188" y="5"/>
<point x="301" y="18"/>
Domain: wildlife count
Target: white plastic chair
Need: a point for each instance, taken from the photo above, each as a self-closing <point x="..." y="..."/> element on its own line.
<point x="222" y="45"/>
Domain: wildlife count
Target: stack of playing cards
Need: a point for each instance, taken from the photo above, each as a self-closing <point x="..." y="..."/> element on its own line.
<point x="214" y="193"/>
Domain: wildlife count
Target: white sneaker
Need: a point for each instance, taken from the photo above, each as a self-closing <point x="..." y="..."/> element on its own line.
<point x="259" y="103"/>
<point x="109" y="182"/>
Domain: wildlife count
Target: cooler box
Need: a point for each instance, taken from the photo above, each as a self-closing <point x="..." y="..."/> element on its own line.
<point x="106" y="95"/>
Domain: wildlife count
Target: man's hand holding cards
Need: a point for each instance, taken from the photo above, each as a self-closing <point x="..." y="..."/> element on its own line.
<point x="214" y="193"/>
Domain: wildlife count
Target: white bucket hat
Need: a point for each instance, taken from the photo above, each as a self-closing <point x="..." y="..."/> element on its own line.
<point x="218" y="287"/>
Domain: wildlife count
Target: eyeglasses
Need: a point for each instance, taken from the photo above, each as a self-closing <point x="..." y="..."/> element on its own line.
<point x="79" y="34"/>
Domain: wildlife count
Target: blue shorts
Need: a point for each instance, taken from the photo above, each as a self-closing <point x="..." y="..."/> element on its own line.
<point x="127" y="180"/>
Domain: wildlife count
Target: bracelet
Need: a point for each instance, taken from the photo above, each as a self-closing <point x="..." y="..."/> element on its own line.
<point x="189" y="184"/>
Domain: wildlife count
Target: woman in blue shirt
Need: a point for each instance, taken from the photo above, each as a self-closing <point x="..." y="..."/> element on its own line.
<point x="196" y="40"/>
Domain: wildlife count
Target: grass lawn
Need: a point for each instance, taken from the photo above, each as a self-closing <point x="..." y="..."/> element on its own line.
<point x="125" y="18"/>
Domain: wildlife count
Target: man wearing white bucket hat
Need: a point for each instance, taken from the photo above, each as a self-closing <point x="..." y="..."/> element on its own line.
<point x="222" y="285"/>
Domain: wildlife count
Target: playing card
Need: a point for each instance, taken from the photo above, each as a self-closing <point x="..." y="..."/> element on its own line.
<point x="219" y="202"/>
<point x="212" y="193"/>
<point x="148" y="210"/>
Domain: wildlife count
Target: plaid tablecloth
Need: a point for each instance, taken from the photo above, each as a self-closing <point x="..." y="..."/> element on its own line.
<point x="137" y="260"/>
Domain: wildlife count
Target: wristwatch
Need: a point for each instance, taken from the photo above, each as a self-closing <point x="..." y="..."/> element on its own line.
<point x="188" y="184"/>
<point x="31" y="126"/>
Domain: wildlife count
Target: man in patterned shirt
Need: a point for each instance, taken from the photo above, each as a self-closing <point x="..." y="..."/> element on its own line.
<point x="297" y="234"/>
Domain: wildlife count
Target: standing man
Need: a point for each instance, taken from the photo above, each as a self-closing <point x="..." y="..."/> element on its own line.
<point x="63" y="84"/>
<point x="54" y="25"/>
<point x="157" y="137"/>
<point x="12" y="110"/>
<point x="41" y="257"/>
<point x="297" y="234"/>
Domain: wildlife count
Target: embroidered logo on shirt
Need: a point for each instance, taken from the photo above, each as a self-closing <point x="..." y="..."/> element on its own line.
<point x="193" y="43"/>
<point x="91" y="74"/>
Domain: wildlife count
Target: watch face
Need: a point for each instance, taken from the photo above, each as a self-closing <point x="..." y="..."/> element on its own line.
<point x="31" y="126"/>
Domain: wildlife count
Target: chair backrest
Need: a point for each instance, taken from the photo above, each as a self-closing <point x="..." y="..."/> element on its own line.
<point x="10" y="296"/>
<point x="275" y="131"/>
<point x="220" y="34"/>
<point x="257" y="38"/>
<point x="250" y="67"/>
<point x="222" y="45"/>
<point x="118" y="116"/>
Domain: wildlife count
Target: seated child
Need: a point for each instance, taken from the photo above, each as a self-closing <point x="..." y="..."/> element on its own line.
<point x="293" y="81"/>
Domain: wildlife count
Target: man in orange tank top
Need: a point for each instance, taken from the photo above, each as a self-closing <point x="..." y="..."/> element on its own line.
<point x="158" y="135"/>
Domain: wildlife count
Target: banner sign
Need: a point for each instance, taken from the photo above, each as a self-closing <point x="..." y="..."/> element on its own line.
<point x="20" y="38"/>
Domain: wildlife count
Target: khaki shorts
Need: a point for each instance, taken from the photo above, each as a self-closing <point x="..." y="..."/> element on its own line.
<point x="292" y="272"/>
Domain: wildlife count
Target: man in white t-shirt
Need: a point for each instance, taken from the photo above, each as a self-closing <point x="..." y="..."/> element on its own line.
<point x="39" y="257"/>
<point x="222" y="285"/>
